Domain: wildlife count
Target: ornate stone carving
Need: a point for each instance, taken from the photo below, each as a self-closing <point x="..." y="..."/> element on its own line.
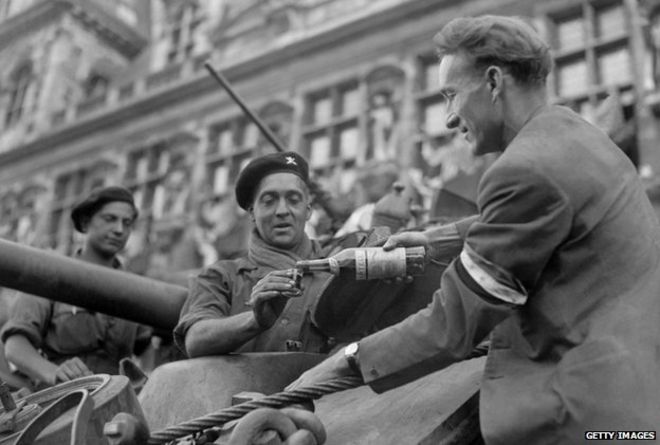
<point x="384" y="86"/>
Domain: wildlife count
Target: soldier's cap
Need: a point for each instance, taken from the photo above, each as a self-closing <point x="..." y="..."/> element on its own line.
<point x="97" y="198"/>
<point x="259" y="168"/>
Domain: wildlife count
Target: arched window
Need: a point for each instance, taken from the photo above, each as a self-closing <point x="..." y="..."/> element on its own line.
<point x="20" y="83"/>
<point x="96" y="85"/>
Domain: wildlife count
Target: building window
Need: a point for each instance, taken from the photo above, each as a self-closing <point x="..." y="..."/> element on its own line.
<point x="232" y="144"/>
<point x="184" y="19"/>
<point x="331" y="136"/>
<point x="18" y="93"/>
<point x="572" y="77"/>
<point x="147" y="168"/>
<point x="570" y="33"/>
<point x="19" y="213"/>
<point x="594" y="73"/>
<point x="592" y="50"/>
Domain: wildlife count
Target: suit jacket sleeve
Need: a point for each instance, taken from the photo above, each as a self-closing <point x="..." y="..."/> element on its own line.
<point x="523" y="219"/>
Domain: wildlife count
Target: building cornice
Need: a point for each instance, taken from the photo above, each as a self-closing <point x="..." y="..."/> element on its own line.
<point x="30" y="19"/>
<point x="124" y="38"/>
<point x="200" y="84"/>
<point x="127" y="39"/>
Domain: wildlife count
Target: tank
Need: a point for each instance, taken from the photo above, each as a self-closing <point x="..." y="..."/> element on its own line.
<point x="439" y="408"/>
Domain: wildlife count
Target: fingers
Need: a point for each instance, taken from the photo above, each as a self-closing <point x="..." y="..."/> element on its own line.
<point x="267" y="311"/>
<point x="302" y="437"/>
<point x="70" y="369"/>
<point x="391" y="243"/>
<point x="406" y="239"/>
<point x="400" y="280"/>
<point x="275" y="284"/>
<point x="306" y="420"/>
<point x="262" y="296"/>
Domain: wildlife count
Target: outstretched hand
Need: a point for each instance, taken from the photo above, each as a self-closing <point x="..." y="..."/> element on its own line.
<point x="406" y="239"/>
<point x="270" y="295"/>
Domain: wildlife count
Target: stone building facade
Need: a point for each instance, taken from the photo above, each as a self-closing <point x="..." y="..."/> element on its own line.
<point x="96" y="93"/>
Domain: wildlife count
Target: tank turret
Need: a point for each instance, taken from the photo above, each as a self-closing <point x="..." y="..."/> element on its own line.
<point x="439" y="408"/>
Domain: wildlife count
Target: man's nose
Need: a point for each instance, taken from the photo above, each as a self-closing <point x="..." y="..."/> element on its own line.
<point x="282" y="207"/>
<point x="119" y="227"/>
<point x="452" y="121"/>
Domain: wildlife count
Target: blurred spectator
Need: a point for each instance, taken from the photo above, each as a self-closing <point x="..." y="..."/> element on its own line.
<point x="374" y="182"/>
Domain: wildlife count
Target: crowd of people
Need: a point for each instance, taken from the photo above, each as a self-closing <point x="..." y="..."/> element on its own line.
<point x="560" y="268"/>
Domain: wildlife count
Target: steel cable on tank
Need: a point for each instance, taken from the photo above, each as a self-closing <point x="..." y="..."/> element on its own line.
<point x="277" y="400"/>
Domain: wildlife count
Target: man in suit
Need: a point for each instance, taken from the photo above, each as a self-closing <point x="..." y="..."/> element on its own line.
<point x="562" y="265"/>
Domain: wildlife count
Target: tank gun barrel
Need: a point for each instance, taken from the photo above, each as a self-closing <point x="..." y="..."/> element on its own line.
<point x="113" y="292"/>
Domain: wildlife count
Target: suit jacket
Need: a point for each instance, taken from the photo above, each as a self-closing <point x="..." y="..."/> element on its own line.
<point x="563" y="263"/>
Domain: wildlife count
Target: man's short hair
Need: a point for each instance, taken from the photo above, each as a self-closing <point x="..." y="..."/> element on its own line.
<point x="507" y="42"/>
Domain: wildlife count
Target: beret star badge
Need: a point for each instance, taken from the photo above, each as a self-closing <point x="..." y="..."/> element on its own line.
<point x="290" y="160"/>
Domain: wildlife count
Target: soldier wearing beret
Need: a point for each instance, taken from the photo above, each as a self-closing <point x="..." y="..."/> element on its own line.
<point x="252" y="303"/>
<point x="54" y="342"/>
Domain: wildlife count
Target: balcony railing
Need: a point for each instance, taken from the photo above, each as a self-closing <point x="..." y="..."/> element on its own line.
<point x="58" y="118"/>
<point x="163" y="77"/>
<point x="91" y="104"/>
<point x="126" y="92"/>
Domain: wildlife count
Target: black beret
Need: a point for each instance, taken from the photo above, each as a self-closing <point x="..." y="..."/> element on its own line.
<point x="97" y="199"/>
<point x="259" y="168"/>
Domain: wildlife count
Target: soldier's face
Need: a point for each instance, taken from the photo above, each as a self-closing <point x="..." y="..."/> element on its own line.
<point x="281" y="208"/>
<point x="109" y="228"/>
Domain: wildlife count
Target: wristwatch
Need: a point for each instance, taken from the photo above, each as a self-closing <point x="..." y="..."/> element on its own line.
<point x="351" y="355"/>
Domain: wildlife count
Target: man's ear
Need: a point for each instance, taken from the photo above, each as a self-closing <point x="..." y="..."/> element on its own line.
<point x="84" y="224"/>
<point x="494" y="78"/>
<point x="309" y="212"/>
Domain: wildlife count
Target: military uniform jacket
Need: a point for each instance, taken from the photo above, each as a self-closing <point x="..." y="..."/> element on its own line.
<point x="224" y="288"/>
<point x="62" y="331"/>
<point x="564" y="263"/>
